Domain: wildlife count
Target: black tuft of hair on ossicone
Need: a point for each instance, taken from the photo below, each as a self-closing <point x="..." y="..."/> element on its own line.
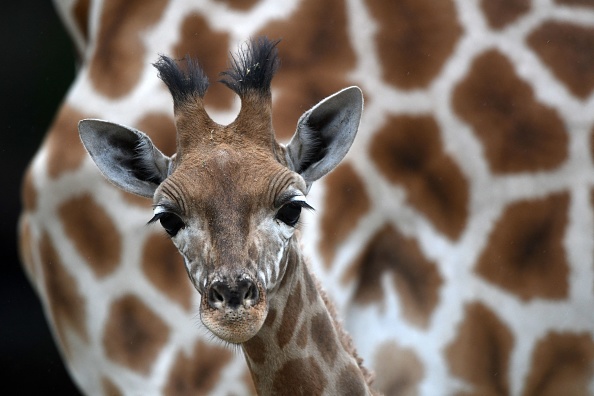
<point x="183" y="84"/>
<point x="253" y="67"/>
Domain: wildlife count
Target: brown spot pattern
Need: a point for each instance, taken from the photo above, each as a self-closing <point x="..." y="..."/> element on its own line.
<point x="525" y="254"/>
<point x="26" y="247"/>
<point x="346" y="202"/>
<point x="300" y="377"/>
<point x="302" y="335"/>
<point x="408" y="151"/>
<point x="316" y="56"/>
<point x="311" y="290"/>
<point x="161" y="129"/>
<point x="398" y="370"/>
<point x="351" y="381"/>
<point x="414" y="39"/>
<point x="255" y="349"/>
<point x="583" y="3"/>
<point x="93" y="232"/>
<point x="164" y="267"/>
<point x="134" y="334"/>
<point x="67" y="305"/>
<point x="109" y="388"/>
<point x="80" y="13"/>
<point x="249" y="382"/>
<point x="137" y="200"/>
<point x="562" y="364"/>
<point x="117" y="63"/>
<point x="480" y="353"/>
<point x="290" y="314"/>
<point x="499" y="13"/>
<point x="29" y="202"/>
<point x="518" y="133"/>
<point x="28" y="191"/>
<point x="199" y="373"/>
<point x="271" y="317"/>
<point x="567" y="51"/>
<point x="324" y="337"/>
<point x="211" y="48"/>
<point x="64" y="148"/>
<point x="416" y="279"/>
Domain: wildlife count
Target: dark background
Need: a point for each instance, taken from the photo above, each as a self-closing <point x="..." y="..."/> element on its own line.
<point x="36" y="70"/>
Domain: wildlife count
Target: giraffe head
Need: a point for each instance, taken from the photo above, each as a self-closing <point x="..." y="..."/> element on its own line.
<point x="231" y="196"/>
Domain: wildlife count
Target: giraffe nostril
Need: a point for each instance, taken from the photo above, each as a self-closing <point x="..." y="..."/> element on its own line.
<point x="218" y="293"/>
<point x="223" y="295"/>
<point x="217" y="296"/>
<point x="251" y="293"/>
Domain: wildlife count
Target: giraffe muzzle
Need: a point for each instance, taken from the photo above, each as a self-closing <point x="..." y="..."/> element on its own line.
<point x="234" y="309"/>
<point x="226" y="295"/>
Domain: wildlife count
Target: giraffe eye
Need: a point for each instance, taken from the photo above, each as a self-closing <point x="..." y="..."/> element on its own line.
<point x="170" y="222"/>
<point x="289" y="213"/>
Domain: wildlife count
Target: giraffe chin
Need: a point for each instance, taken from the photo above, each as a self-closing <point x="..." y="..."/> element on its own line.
<point x="235" y="326"/>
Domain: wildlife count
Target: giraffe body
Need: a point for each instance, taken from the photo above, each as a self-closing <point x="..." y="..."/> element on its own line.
<point x="469" y="202"/>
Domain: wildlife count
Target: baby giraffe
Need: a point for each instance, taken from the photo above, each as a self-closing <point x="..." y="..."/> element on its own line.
<point x="230" y="199"/>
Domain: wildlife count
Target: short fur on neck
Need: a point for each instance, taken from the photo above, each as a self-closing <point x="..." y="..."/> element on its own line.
<point x="271" y="360"/>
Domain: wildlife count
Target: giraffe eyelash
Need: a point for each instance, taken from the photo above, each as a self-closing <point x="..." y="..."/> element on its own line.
<point x="302" y="204"/>
<point x="162" y="209"/>
<point x="170" y="221"/>
<point x="156" y="217"/>
<point x="290" y="212"/>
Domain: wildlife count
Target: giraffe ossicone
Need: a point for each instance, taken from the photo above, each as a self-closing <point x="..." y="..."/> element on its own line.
<point x="231" y="196"/>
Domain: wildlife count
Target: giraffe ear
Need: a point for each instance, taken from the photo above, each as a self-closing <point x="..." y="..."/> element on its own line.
<point x="126" y="157"/>
<point x="325" y="134"/>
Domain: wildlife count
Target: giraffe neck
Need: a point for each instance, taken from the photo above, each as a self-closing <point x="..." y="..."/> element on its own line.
<point x="301" y="347"/>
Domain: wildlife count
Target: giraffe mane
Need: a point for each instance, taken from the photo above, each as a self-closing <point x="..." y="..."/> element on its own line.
<point x="253" y="67"/>
<point x="183" y="84"/>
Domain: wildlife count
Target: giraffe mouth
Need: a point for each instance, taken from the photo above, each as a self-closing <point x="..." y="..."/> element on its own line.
<point x="234" y="313"/>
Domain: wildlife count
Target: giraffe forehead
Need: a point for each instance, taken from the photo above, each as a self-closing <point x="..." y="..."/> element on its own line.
<point x="225" y="174"/>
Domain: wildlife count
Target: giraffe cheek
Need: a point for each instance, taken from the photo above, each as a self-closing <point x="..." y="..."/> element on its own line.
<point x="194" y="259"/>
<point x="277" y="265"/>
<point x="195" y="273"/>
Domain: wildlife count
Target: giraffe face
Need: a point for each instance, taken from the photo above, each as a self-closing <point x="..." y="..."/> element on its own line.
<point x="232" y="214"/>
<point x="231" y="196"/>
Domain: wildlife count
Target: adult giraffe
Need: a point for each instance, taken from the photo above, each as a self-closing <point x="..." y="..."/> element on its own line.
<point x="465" y="261"/>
